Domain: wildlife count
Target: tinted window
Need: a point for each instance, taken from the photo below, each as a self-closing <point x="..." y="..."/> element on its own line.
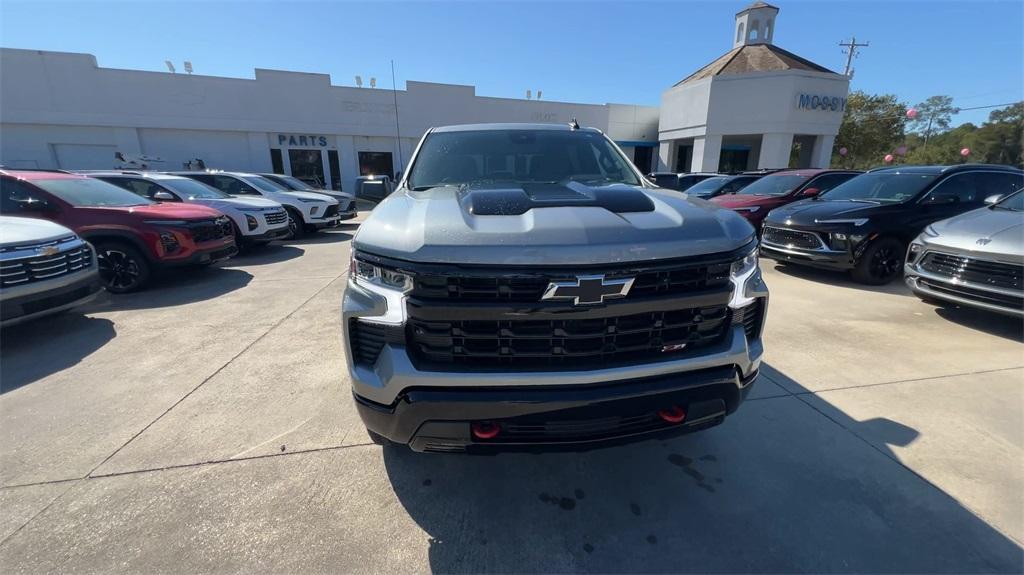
<point x="967" y="187"/>
<point x="290" y="182"/>
<point x="1014" y="203"/>
<point x="670" y="181"/>
<point x="136" y="186"/>
<point x="525" y="156"/>
<point x="887" y="187"/>
<point x="774" y="185"/>
<point x="193" y="190"/>
<point x="264" y="184"/>
<point x="708" y="186"/>
<point x="999" y="184"/>
<point x="686" y="181"/>
<point x="226" y="184"/>
<point x="87" y="192"/>
<point x="829" y="181"/>
<point x="19" y="199"/>
<point x="738" y="184"/>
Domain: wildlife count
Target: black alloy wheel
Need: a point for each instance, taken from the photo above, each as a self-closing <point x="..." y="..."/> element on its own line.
<point x="881" y="263"/>
<point x="122" y="268"/>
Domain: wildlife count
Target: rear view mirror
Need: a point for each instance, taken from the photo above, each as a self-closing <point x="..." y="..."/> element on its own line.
<point x="940" y="198"/>
<point x="993" y="199"/>
<point x="810" y="192"/>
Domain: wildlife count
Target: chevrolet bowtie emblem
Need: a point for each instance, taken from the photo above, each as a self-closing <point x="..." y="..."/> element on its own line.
<point x="48" y="251"/>
<point x="588" y="290"/>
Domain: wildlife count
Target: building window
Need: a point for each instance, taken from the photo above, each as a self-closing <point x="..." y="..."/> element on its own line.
<point x="642" y="156"/>
<point x="739" y="33"/>
<point x="307" y="165"/>
<point x="332" y="161"/>
<point x="376" y="164"/>
<point x="768" y="30"/>
<point x="753" y="29"/>
<point x="276" y="163"/>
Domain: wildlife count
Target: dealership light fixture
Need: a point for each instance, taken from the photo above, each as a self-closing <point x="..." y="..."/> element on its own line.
<point x="170" y="66"/>
<point x="373" y="82"/>
<point x="529" y="94"/>
<point x="359" y="81"/>
<point x="188" y="66"/>
<point x="538" y="94"/>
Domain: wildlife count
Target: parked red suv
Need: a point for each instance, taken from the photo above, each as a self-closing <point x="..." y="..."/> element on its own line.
<point x="778" y="189"/>
<point x="132" y="235"/>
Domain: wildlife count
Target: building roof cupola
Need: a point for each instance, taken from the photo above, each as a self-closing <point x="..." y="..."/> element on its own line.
<point x="755" y="24"/>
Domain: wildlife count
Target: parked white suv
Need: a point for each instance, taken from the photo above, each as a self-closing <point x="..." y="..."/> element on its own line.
<point x="346" y="201"/>
<point x="306" y="211"/>
<point x="44" y="269"/>
<point x="256" y="220"/>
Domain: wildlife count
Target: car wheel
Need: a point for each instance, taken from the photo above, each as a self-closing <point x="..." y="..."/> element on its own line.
<point x="881" y="263"/>
<point x="123" y="268"/>
<point x="296" y="226"/>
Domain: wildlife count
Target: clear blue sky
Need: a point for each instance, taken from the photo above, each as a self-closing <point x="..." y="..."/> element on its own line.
<point x="596" y="52"/>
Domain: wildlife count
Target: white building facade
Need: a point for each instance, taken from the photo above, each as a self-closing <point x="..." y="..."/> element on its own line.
<point x="757" y="106"/>
<point x="61" y="110"/>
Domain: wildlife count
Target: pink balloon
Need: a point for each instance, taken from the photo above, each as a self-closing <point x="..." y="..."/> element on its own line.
<point x="843" y="151"/>
<point x="888" y="158"/>
<point x="911" y="114"/>
<point x="901" y="151"/>
<point x="965" y="152"/>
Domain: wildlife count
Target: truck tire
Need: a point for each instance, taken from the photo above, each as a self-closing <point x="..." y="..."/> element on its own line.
<point x="881" y="262"/>
<point x="123" y="267"/>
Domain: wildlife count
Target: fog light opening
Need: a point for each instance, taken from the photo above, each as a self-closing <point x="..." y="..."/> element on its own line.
<point x="674" y="414"/>
<point x="485" y="429"/>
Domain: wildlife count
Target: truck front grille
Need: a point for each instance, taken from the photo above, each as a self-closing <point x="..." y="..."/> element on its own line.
<point x="528" y="287"/>
<point x="567" y="343"/>
<point x="791" y="238"/>
<point x="976" y="271"/>
<point x="37" y="268"/>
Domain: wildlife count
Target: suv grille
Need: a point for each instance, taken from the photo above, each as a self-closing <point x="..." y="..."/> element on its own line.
<point x="37" y="268"/>
<point x="527" y="287"/>
<point x="797" y="239"/>
<point x="275" y="218"/>
<point x="978" y="272"/>
<point x="208" y="230"/>
<point x="567" y="343"/>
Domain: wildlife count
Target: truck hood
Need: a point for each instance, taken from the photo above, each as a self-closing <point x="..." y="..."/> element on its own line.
<point x="806" y="212"/>
<point x="573" y="225"/>
<point x="19" y="231"/>
<point x="742" y="200"/>
<point x="983" y="230"/>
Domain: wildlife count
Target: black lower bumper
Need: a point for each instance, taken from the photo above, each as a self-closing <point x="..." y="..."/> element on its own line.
<point x="576" y="417"/>
<point x="202" y="257"/>
<point x="18" y="309"/>
<point x="267" y="236"/>
<point x="838" y="261"/>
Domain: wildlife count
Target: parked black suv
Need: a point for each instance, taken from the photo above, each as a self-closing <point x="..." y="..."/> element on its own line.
<point x="865" y="224"/>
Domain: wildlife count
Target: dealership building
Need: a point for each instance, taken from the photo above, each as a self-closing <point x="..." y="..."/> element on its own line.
<point x="754" y="107"/>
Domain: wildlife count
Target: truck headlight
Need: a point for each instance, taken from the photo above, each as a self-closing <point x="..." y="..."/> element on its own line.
<point x="740" y="272"/>
<point x="390" y="284"/>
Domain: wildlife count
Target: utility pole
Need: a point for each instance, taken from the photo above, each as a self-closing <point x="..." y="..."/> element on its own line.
<point x="851" y="53"/>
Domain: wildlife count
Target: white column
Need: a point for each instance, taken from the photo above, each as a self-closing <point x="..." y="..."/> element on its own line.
<point x="822" y="157"/>
<point x="259" y="153"/>
<point x="707" y="152"/>
<point x="665" y="156"/>
<point x="349" y="163"/>
<point x="775" y="149"/>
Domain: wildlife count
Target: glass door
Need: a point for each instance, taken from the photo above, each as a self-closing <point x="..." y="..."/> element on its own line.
<point x="308" y="166"/>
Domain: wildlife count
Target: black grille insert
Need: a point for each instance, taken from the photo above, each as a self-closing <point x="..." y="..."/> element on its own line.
<point x="794" y="238"/>
<point x="209" y="230"/>
<point x="368" y="339"/>
<point x="976" y="271"/>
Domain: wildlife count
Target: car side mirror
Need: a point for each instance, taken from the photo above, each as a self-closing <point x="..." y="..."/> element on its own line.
<point x="994" y="199"/>
<point x="164" y="197"/>
<point x="941" y="198"/>
<point x="810" y="192"/>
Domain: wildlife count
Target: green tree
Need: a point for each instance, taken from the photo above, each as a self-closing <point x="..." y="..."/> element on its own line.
<point x="872" y="127"/>
<point x="933" y="116"/>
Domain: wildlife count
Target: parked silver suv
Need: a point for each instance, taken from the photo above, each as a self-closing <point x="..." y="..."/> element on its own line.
<point x="526" y="287"/>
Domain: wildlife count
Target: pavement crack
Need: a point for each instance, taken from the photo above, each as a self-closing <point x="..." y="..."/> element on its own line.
<point x="912" y="380"/>
<point x="217" y="371"/>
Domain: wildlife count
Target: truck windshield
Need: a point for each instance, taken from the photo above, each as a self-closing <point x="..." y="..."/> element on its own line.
<point x="773" y="185"/>
<point x="887" y="187"/>
<point x="521" y="156"/>
<point x="91" y="193"/>
<point x="193" y="189"/>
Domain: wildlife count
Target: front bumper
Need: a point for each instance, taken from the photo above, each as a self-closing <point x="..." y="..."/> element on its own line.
<point x="207" y="253"/>
<point x="822" y="256"/>
<point x="573" y="417"/>
<point x="320" y="223"/>
<point x="924" y="283"/>
<point x="267" y="236"/>
<point x="69" y="292"/>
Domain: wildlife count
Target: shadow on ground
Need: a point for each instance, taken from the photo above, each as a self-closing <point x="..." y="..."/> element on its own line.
<point x="176" y="287"/>
<point x="264" y="255"/>
<point x="1004" y="326"/>
<point x="29" y="352"/>
<point x="322" y="237"/>
<point x="836" y="278"/>
<point x="781" y="486"/>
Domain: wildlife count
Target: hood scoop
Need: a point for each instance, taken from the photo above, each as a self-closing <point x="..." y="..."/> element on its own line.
<point x="516" y="199"/>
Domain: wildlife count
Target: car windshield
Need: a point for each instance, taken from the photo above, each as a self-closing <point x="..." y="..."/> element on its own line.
<point x="291" y="182"/>
<point x="708" y="186"/>
<point x="773" y="185"/>
<point x="91" y="193"/>
<point x="522" y="156"/>
<point x="193" y="189"/>
<point x="1014" y="202"/>
<point x="264" y="185"/>
<point x="884" y="187"/>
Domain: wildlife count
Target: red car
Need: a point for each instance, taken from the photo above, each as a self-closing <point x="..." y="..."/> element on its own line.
<point x="780" y="188"/>
<point x="133" y="236"/>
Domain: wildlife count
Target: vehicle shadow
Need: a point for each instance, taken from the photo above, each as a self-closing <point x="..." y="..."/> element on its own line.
<point x="264" y="255"/>
<point x="1004" y="326"/>
<point x="31" y="351"/>
<point x="321" y="237"/>
<point x="835" y="278"/>
<point x="784" y="485"/>
<point x="174" y="288"/>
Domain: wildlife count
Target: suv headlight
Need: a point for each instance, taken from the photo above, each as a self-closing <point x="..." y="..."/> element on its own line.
<point x="741" y="271"/>
<point x="391" y="284"/>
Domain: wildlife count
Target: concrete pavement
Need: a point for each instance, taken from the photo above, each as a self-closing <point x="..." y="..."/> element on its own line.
<point x="205" y="425"/>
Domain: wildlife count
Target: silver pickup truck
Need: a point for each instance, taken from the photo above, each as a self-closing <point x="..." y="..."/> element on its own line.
<point x="525" y="287"/>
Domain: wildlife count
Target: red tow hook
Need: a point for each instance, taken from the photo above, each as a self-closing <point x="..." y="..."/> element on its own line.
<point x="485" y="430"/>
<point x="674" y="414"/>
